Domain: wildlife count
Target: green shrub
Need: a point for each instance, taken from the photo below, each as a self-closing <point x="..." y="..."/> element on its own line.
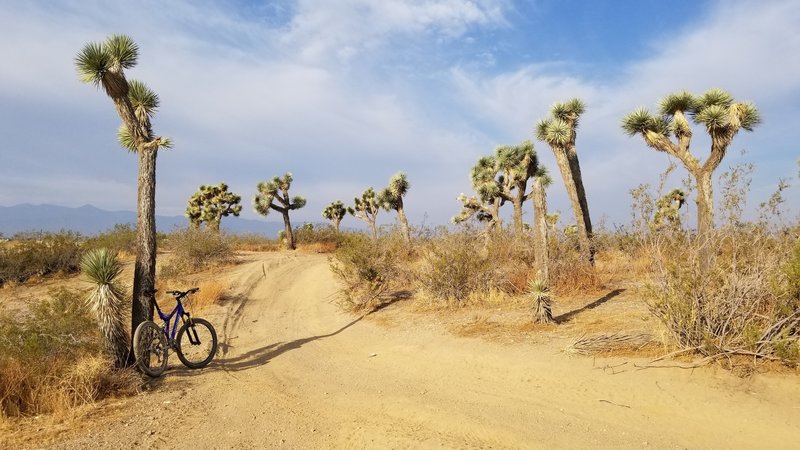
<point x="50" y="359"/>
<point x="738" y="302"/>
<point x="367" y="268"/>
<point x="196" y="249"/>
<point x="121" y="238"/>
<point x="40" y="254"/>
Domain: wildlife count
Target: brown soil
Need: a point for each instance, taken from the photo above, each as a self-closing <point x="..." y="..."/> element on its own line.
<point x="293" y="371"/>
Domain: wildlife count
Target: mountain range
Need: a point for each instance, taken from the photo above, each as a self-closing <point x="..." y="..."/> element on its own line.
<point x="89" y="220"/>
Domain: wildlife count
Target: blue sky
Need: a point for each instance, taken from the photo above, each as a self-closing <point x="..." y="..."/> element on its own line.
<point x="344" y="93"/>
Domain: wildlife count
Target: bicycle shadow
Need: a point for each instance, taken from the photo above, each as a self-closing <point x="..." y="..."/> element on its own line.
<point x="260" y="356"/>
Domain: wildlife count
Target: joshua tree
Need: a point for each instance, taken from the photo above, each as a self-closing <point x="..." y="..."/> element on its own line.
<point x="722" y="118"/>
<point x="517" y="164"/>
<point x="103" y="65"/>
<point x="668" y="211"/>
<point x="210" y="204"/>
<point x="559" y="132"/>
<point x="107" y="301"/>
<point x="278" y="189"/>
<point x="486" y="205"/>
<point x="391" y="198"/>
<point x="367" y="208"/>
<point x="335" y="212"/>
<point x="540" y="181"/>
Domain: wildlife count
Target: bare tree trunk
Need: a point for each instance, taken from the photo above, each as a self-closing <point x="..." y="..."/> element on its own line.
<point x="517" y="203"/>
<point x="144" y="274"/>
<point x="705" y="202"/>
<point x="404" y="228"/>
<point x="574" y="198"/>
<point x="287" y="226"/>
<point x="540" y="231"/>
<point x="575" y="169"/>
<point x="214" y="225"/>
<point x="336" y="224"/>
<point x="374" y="229"/>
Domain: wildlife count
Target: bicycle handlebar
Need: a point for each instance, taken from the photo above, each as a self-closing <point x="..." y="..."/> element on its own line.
<point x="180" y="294"/>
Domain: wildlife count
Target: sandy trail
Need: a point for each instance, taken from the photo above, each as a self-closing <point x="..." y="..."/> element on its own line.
<point x="295" y="372"/>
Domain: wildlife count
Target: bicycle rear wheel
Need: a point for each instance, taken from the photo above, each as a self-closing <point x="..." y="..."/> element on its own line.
<point x="150" y="348"/>
<point x="196" y="343"/>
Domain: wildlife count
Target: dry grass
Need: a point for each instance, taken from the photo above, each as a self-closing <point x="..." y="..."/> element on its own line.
<point x="210" y="293"/>
<point x="318" y="247"/>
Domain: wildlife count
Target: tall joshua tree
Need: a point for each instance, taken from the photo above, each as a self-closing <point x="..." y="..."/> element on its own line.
<point x="103" y="64"/>
<point x="559" y="132"/>
<point x="391" y="198"/>
<point x="517" y="164"/>
<point x="367" y="208"/>
<point x="488" y="184"/>
<point x="274" y="190"/>
<point x="670" y="132"/>
<point x="335" y="212"/>
<point x="210" y="204"/>
<point x="107" y="301"/>
<point x="541" y="181"/>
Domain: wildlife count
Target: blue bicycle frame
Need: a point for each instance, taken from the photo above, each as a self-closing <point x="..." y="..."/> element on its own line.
<point x="167" y="318"/>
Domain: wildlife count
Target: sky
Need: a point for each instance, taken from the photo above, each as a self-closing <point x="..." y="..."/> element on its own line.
<point x="345" y="93"/>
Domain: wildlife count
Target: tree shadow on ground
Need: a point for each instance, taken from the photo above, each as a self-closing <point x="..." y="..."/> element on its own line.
<point x="567" y="316"/>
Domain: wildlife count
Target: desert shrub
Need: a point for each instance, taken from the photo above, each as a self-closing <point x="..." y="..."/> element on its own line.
<point x="51" y="360"/>
<point x="196" y="249"/>
<point x="252" y="242"/>
<point x="119" y="239"/>
<point x="453" y="266"/>
<point x="729" y="294"/>
<point x="40" y="254"/>
<point x="322" y="239"/>
<point x="368" y="269"/>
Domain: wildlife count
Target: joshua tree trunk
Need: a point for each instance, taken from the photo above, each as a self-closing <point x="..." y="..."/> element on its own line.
<point x="540" y="231"/>
<point x="577" y="198"/>
<point x="287" y="226"/>
<point x="575" y="169"/>
<point x="705" y="202"/>
<point x="517" y="203"/>
<point x="144" y="275"/>
<point x="336" y="224"/>
<point x="401" y="217"/>
<point x="374" y="229"/>
<point x="214" y="225"/>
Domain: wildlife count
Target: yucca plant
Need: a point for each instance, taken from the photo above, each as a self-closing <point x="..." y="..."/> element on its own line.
<point x="539" y="293"/>
<point x="107" y="301"/>
<point x="367" y="208"/>
<point x="210" y="204"/>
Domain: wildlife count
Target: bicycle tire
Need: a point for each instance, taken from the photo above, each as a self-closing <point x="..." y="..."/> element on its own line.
<point x="198" y="354"/>
<point x="150" y="348"/>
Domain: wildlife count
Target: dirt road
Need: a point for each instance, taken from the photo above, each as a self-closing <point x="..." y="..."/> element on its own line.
<point x="295" y="372"/>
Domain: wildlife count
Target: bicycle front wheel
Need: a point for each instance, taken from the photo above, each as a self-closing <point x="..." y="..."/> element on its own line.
<point x="150" y="348"/>
<point x="196" y="343"/>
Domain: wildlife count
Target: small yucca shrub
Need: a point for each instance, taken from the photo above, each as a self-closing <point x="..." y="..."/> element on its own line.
<point x="539" y="293"/>
<point x="107" y="302"/>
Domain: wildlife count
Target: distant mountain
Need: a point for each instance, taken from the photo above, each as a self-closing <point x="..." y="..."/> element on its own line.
<point x="89" y="220"/>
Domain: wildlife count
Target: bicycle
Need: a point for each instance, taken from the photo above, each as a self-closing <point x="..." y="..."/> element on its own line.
<point x="195" y="342"/>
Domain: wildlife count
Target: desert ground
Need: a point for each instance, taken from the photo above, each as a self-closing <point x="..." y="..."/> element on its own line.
<point x="295" y="371"/>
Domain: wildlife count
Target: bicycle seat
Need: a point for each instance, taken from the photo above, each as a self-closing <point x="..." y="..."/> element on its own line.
<point x="150" y="291"/>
